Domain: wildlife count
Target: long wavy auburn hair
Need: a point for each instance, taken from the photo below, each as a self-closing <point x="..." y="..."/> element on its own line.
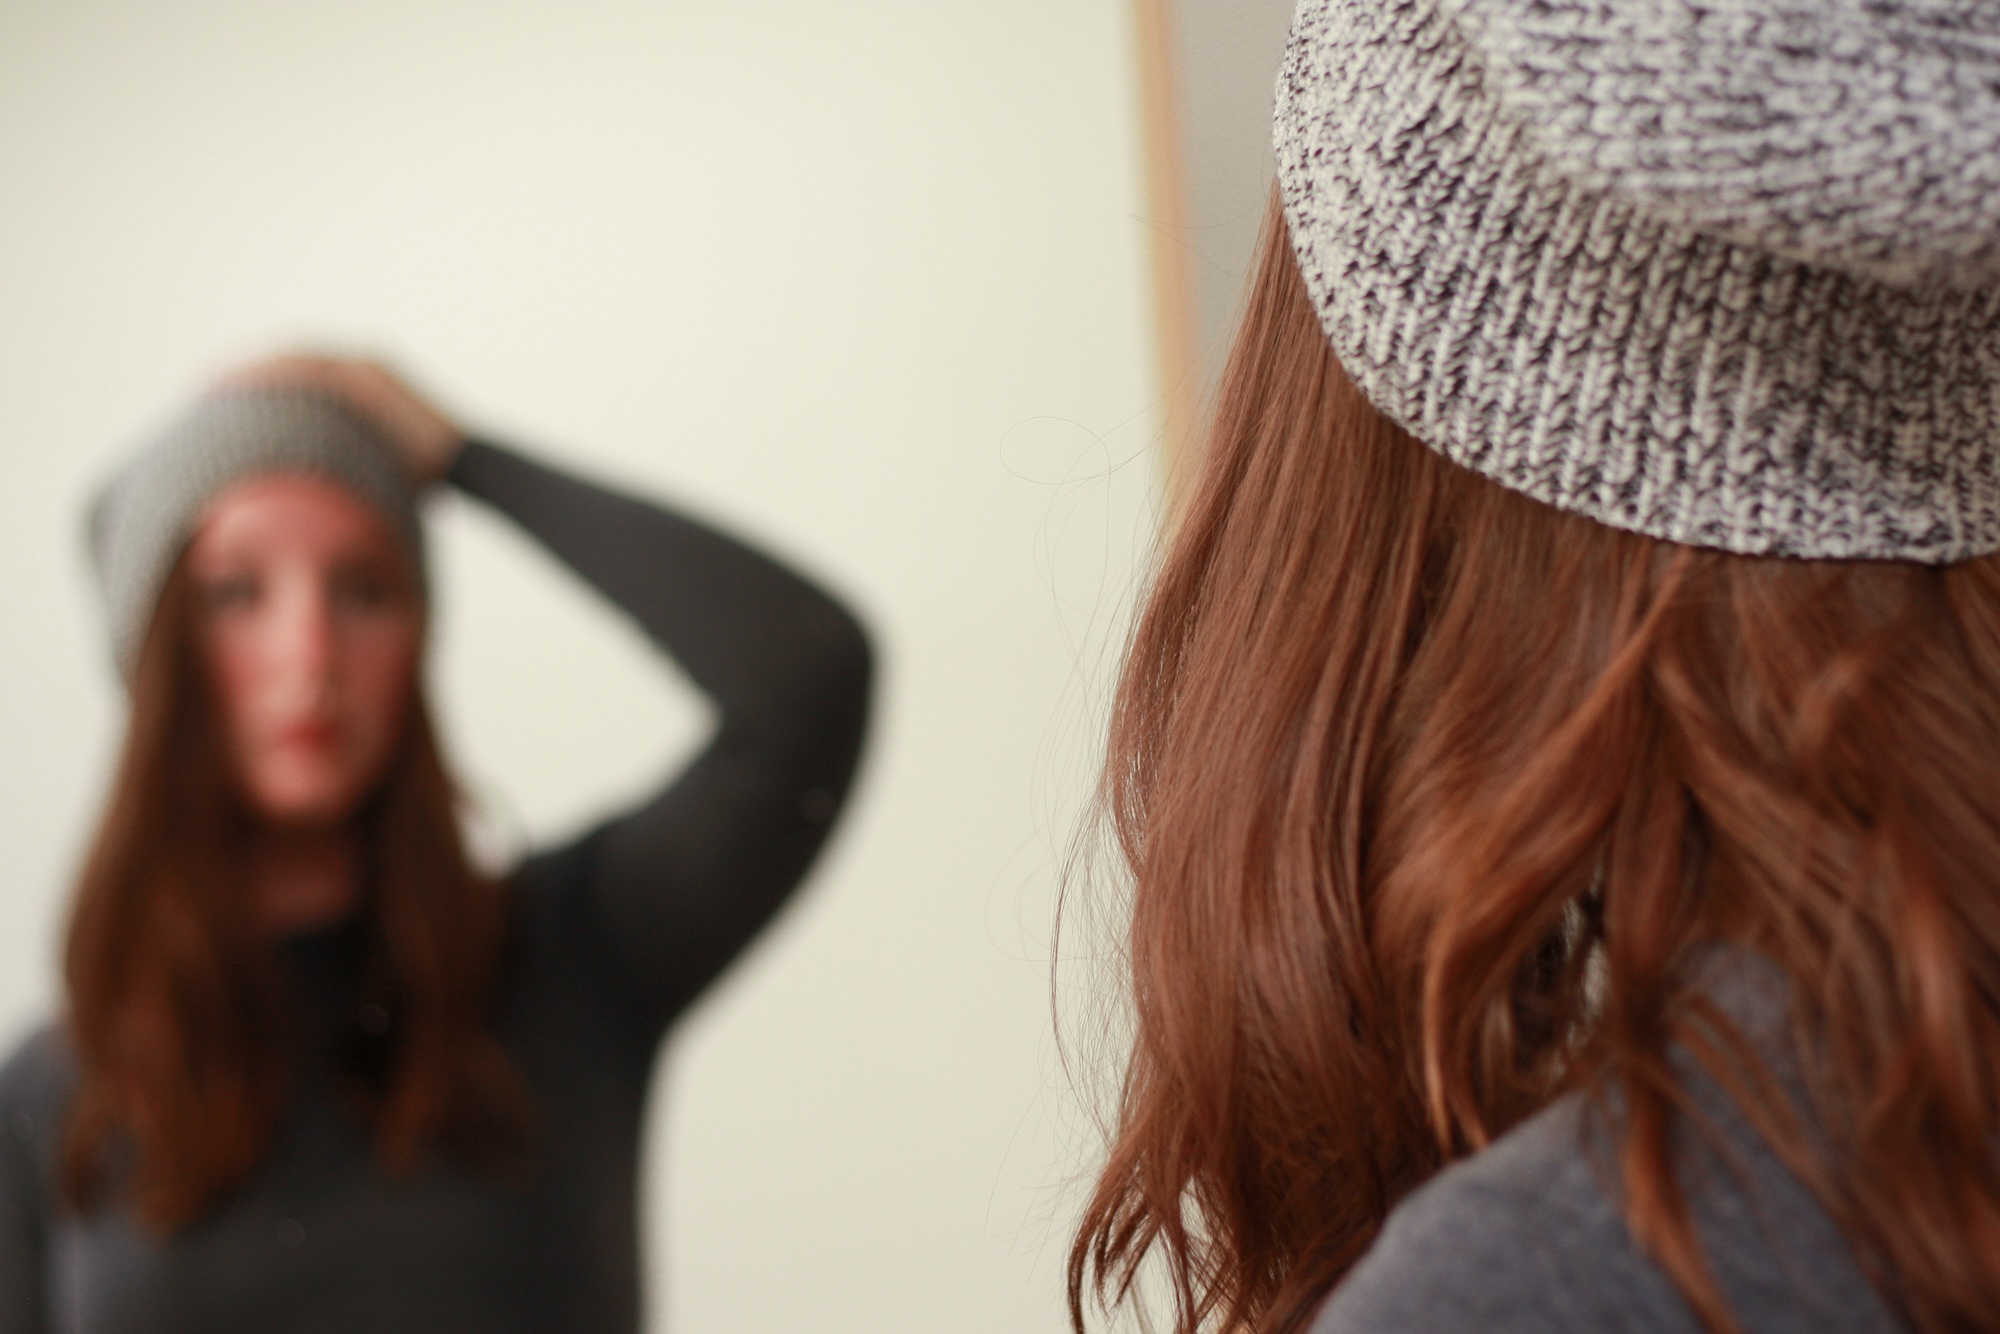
<point x="1433" y="800"/>
<point x="177" y="1009"/>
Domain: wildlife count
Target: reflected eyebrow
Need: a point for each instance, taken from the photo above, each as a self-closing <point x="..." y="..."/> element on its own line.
<point x="379" y="564"/>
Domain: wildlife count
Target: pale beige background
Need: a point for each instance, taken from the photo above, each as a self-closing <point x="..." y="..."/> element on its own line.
<point x="1226" y="55"/>
<point x="864" y="279"/>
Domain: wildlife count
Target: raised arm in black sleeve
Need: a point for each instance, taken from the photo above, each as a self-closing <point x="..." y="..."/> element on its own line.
<point x="675" y="888"/>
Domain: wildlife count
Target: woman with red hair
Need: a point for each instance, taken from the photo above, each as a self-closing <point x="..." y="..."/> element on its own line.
<point x="1559" y="761"/>
<point x="314" y="1070"/>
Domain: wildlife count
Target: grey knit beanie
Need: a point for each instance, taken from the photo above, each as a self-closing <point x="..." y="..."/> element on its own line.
<point x="144" y="516"/>
<point x="1725" y="273"/>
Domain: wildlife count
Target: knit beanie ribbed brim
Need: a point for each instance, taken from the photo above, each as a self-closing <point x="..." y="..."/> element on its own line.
<point x="1724" y="274"/>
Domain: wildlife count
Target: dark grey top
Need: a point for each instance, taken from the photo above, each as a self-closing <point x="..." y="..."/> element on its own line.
<point x="1525" y="1236"/>
<point x="612" y="936"/>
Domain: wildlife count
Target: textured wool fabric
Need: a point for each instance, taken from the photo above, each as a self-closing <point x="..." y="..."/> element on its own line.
<point x="1718" y="274"/>
<point x="1862" y="136"/>
<point x="1528" y="1235"/>
<point x="144" y="516"/>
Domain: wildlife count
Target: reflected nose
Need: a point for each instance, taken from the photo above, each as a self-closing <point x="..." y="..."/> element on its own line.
<point x="302" y="641"/>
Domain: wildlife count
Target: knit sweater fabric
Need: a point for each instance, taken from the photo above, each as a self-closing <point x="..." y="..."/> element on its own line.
<point x="1722" y="273"/>
<point x="613" y="935"/>
<point x="1528" y="1236"/>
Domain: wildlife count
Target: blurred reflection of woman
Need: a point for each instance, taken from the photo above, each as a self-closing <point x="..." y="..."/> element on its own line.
<point x="315" y="1072"/>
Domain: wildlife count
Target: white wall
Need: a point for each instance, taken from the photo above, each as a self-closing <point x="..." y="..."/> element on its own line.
<point x="863" y="279"/>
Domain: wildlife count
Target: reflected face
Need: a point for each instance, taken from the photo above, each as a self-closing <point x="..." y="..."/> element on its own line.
<point x="309" y="623"/>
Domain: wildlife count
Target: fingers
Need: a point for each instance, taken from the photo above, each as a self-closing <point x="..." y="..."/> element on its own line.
<point x="425" y="439"/>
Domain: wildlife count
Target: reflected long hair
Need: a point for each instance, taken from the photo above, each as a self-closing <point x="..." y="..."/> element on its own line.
<point x="177" y="1009"/>
<point x="1435" y="798"/>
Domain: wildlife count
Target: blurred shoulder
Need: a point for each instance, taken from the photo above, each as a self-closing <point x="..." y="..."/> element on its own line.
<point x="36" y="1082"/>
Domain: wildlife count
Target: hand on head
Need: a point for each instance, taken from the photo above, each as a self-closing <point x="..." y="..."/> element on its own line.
<point x="424" y="438"/>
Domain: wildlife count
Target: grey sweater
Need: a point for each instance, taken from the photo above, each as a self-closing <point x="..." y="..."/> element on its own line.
<point x="1525" y="1236"/>
<point x="612" y="936"/>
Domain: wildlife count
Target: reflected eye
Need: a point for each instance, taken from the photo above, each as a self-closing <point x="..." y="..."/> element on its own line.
<point x="362" y="589"/>
<point x="234" y="592"/>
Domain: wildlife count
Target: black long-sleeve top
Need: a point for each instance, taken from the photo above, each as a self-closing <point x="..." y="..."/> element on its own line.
<point x="612" y="936"/>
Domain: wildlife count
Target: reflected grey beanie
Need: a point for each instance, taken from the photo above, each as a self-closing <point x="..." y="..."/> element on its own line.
<point x="143" y="517"/>
<point x="1725" y="273"/>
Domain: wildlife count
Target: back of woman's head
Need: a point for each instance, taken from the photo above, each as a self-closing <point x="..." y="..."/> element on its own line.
<point x="1437" y="802"/>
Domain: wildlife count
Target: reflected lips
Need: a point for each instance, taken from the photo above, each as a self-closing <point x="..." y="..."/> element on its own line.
<point x="317" y="734"/>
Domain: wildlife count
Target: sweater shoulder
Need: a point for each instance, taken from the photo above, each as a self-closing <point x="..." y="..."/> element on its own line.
<point x="1530" y="1234"/>
<point x="1519" y="1237"/>
<point x="39" y="1073"/>
<point x="37" y="1081"/>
